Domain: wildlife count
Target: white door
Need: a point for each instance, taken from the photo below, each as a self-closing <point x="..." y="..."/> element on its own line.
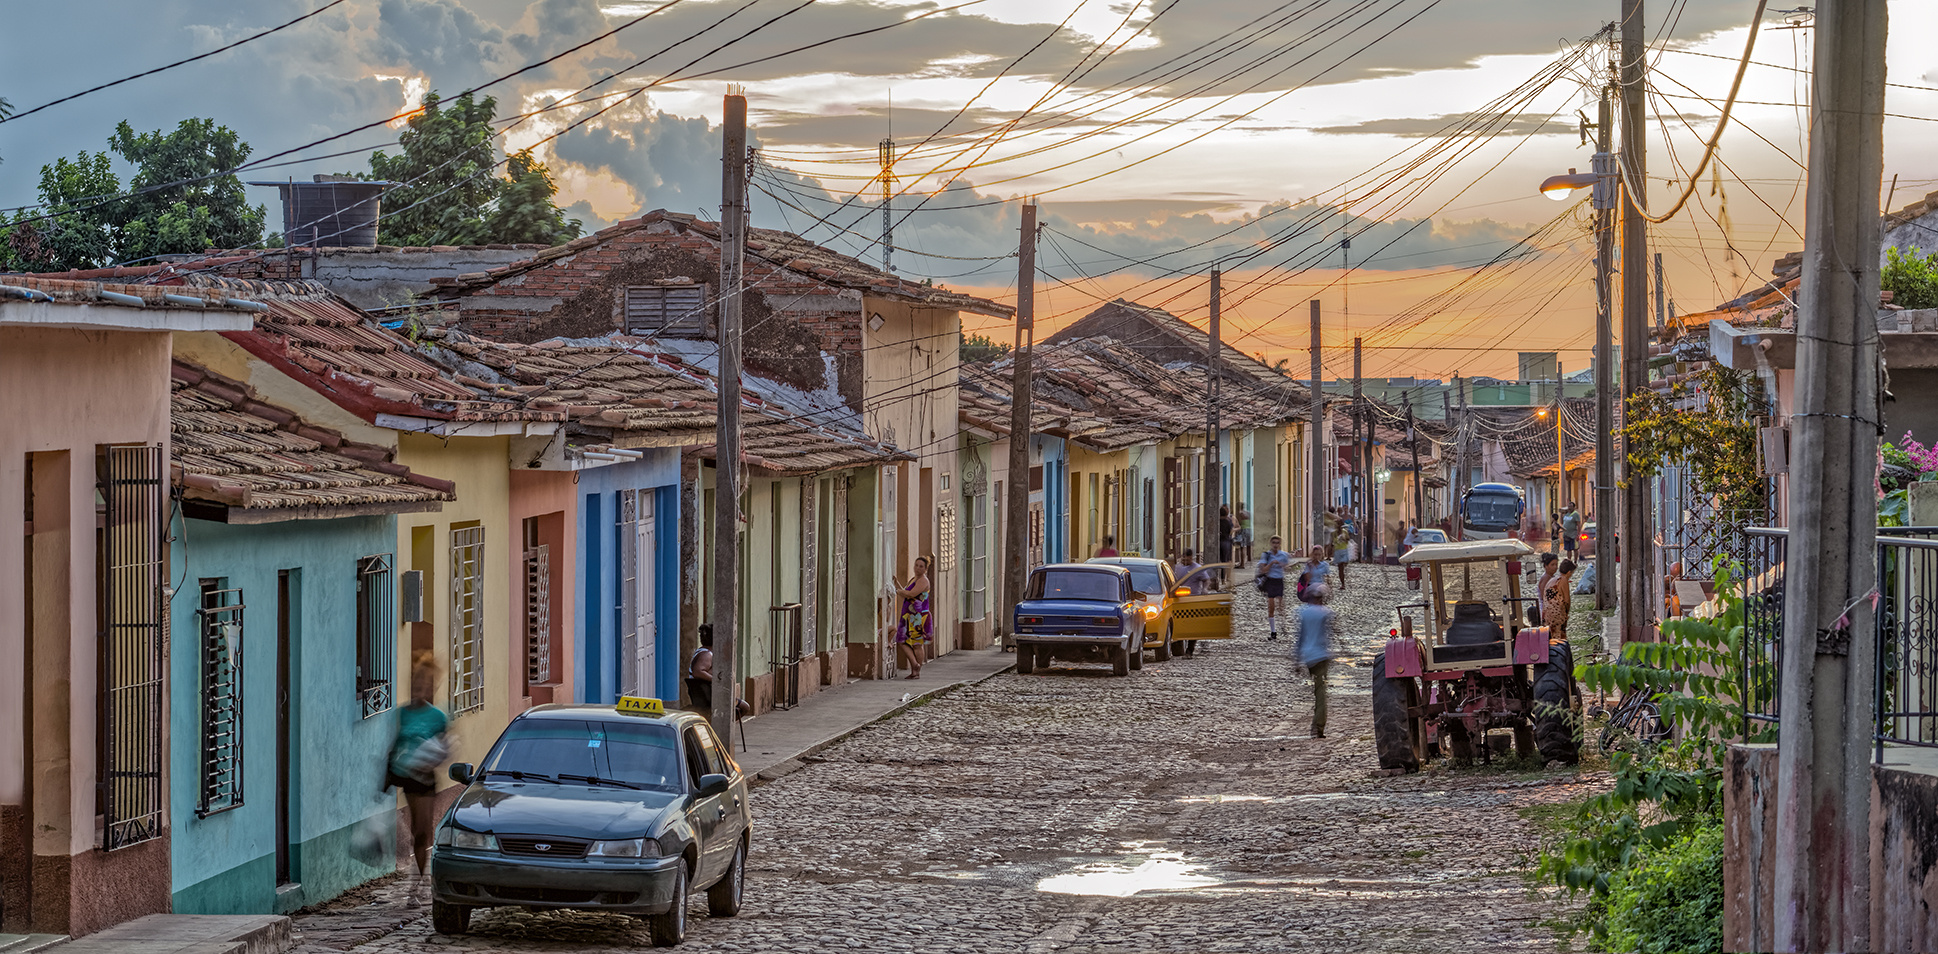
<point x="645" y="620"/>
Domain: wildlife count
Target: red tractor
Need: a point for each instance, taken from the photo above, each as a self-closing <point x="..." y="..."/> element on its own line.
<point x="1476" y="670"/>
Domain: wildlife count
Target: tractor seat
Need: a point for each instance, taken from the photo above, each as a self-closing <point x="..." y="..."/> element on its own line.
<point x="1472" y="625"/>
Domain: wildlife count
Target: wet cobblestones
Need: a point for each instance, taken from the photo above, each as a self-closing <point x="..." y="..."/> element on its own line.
<point x="932" y="831"/>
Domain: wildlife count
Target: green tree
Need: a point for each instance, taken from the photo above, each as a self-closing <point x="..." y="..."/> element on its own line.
<point x="525" y="211"/>
<point x="981" y="347"/>
<point x="1912" y="280"/>
<point x="452" y="194"/>
<point x="181" y="200"/>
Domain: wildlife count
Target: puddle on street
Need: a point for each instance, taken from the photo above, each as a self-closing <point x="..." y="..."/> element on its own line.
<point x="1153" y="871"/>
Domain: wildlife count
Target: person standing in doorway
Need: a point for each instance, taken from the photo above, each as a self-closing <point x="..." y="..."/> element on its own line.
<point x="1244" y="539"/>
<point x="1109" y="549"/>
<point x="913" y="632"/>
<point x="1227" y="533"/>
<point x="1315" y="649"/>
<point x="1570" y="529"/>
<point x="1273" y="565"/>
<point x="1557" y="598"/>
<point x="1548" y="560"/>
<point x="420" y="746"/>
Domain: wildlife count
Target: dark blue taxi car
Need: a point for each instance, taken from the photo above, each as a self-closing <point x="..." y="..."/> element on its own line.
<point x="621" y="808"/>
<point x="1079" y="611"/>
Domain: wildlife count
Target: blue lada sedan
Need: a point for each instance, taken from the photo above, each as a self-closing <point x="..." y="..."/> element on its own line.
<point x="1079" y="611"/>
<point x="621" y="808"/>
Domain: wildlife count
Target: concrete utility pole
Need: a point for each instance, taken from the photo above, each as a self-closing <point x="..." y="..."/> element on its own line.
<point x="1661" y="297"/>
<point x="1017" y="567"/>
<point x="1317" y="426"/>
<point x="1638" y="523"/>
<point x="1560" y="443"/>
<point x="1604" y="514"/>
<point x="1823" y="839"/>
<point x="1419" y="486"/>
<point x="726" y="441"/>
<point x="1213" y="488"/>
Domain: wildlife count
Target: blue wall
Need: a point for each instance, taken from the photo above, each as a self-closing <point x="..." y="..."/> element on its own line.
<point x="1056" y="499"/>
<point x="225" y="863"/>
<point x="598" y="572"/>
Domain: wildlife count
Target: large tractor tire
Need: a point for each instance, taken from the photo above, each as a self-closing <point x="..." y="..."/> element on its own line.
<point x="1557" y="730"/>
<point x="1396" y="734"/>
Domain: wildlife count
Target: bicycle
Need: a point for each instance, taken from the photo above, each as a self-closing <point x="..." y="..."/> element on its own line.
<point x="1635" y="724"/>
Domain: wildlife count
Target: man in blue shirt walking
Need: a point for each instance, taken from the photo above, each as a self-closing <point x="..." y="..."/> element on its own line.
<point x="1272" y="565"/>
<point x="1315" y="649"/>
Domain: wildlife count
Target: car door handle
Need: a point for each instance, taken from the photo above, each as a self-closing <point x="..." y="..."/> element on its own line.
<point x="723" y="812"/>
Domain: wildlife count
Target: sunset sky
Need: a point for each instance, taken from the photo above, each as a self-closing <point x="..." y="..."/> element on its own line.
<point x="1160" y="137"/>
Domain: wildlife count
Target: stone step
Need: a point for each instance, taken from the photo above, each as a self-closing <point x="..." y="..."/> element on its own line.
<point x="29" y="943"/>
<point x="189" y="934"/>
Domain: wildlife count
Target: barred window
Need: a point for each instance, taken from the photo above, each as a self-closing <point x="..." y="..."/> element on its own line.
<point x="467" y="619"/>
<point x="219" y="620"/>
<point x="538" y="614"/>
<point x="975" y="555"/>
<point x="133" y="627"/>
<point x="376" y="636"/>
<point x="674" y="311"/>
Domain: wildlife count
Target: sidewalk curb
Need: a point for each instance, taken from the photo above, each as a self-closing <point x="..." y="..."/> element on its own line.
<point x="795" y="762"/>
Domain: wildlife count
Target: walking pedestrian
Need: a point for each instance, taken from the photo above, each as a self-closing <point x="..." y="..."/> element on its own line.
<point x="1342" y="549"/>
<point x="1315" y="570"/>
<point x="1244" y="540"/>
<point x="419" y="747"/>
<point x="1272" y="567"/>
<point x="913" y="632"/>
<point x="1185" y="571"/>
<point x="1410" y="538"/>
<point x="1109" y="549"/>
<point x="1570" y="529"/>
<point x="1227" y="533"/>
<point x="1557" y="598"/>
<point x="1315" y="649"/>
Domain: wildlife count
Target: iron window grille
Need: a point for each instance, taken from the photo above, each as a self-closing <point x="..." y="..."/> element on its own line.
<point x="538" y="615"/>
<point x="219" y="623"/>
<point x="376" y="635"/>
<point x="133" y="635"/>
<point x="976" y="555"/>
<point x="467" y="619"/>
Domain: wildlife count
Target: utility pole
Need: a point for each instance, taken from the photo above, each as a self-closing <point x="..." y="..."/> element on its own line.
<point x="1317" y="439"/>
<point x="1016" y="568"/>
<point x="1462" y="472"/>
<point x="1604" y="203"/>
<point x="1661" y="298"/>
<point x="1213" y="471"/>
<point x="1637" y="554"/>
<point x="1362" y="481"/>
<point x="1560" y="452"/>
<point x="1447" y="418"/>
<point x="1419" y="486"/>
<point x="726" y="441"/>
<point x="888" y="205"/>
<point x="1823" y="838"/>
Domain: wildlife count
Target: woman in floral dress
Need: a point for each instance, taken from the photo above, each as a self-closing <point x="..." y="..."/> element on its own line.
<point x="917" y="623"/>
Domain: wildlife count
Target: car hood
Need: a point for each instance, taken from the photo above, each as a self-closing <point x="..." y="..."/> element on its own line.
<point x="1067" y="607"/>
<point x="568" y="810"/>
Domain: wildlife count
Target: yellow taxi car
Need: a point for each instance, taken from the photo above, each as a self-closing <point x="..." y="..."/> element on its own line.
<point x="1176" y="610"/>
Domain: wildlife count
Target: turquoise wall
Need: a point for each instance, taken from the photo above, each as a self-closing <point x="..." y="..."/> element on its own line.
<point x="597" y="572"/>
<point x="225" y="863"/>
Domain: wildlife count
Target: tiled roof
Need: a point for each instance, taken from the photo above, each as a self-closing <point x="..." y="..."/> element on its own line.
<point x="82" y="291"/>
<point x="1180" y="333"/>
<point x="240" y="460"/>
<point x="317" y="337"/>
<point x="783" y="249"/>
<point x="621" y="392"/>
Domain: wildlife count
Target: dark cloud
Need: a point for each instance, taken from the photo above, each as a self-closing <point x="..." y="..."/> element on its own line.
<point x="440" y="38"/>
<point x="1425" y="127"/>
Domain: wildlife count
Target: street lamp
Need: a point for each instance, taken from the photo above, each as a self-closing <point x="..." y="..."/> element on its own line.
<point x="1561" y="188"/>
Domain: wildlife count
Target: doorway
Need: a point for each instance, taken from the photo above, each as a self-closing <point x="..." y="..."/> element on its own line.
<point x="286" y="590"/>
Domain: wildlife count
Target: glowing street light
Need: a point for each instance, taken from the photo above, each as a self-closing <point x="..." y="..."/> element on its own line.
<point x="1562" y="188"/>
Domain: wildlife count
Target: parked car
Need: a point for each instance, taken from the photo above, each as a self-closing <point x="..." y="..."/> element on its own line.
<point x="1080" y="612"/>
<point x="620" y="808"/>
<point x="1585" y="541"/>
<point x="1165" y="594"/>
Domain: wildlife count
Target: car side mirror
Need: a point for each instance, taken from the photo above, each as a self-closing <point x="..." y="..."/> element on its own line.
<point x="461" y="773"/>
<point x="1181" y="591"/>
<point x="711" y="785"/>
<point x="1139" y="595"/>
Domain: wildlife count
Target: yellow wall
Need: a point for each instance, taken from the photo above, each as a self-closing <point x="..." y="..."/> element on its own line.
<point x="479" y="465"/>
<point x="1090" y="472"/>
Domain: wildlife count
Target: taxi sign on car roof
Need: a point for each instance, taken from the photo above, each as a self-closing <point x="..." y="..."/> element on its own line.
<point x="640" y="706"/>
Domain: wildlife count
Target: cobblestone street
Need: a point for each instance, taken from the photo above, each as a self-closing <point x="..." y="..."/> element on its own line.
<point x="1185" y="808"/>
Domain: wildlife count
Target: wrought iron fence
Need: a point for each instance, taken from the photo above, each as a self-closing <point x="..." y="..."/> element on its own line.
<point x="1906" y="632"/>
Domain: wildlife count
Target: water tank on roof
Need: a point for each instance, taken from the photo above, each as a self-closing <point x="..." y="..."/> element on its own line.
<point x="331" y="211"/>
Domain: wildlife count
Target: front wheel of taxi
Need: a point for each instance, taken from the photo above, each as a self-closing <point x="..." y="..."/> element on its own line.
<point x="723" y="899"/>
<point x="450" y="918"/>
<point x="669" y="928"/>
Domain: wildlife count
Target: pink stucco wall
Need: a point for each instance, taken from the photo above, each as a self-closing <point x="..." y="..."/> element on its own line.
<point x="550" y="496"/>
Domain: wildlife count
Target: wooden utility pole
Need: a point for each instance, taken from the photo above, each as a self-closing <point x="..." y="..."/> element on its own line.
<point x="726" y="440"/>
<point x="1317" y="439"/>
<point x="1823" y="838"/>
<point x="1604" y="202"/>
<point x="1214" y="473"/>
<point x="1016" y="566"/>
<point x="1463" y="472"/>
<point x="1362" y="480"/>
<point x="1560" y="454"/>
<point x="1661" y="298"/>
<point x="1637" y="553"/>
<point x="1419" y="486"/>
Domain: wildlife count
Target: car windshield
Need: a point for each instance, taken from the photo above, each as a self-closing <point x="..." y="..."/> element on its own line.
<point x="1432" y="536"/>
<point x="623" y="754"/>
<point x="1493" y="511"/>
<point x="1074" y="585"/>
<point x="1144" y="577"/>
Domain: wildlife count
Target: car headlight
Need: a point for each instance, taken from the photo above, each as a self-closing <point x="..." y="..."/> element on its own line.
<point x="453" y="837"/>
<point x="630" y="848"/>
<point x="1150" y="612"/>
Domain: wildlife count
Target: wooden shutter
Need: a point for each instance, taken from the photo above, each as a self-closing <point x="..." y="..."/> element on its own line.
<point x="674" y="311"/>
